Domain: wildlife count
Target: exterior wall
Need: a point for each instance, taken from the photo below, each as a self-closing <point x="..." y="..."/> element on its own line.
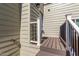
<point x="29" y="13"/>
<point x="9" y="29"/>
<point x="55" y="18"/>
<point x="34" y="12"/>
<point x="24" y="33"/>
<point x="41" y="8"/>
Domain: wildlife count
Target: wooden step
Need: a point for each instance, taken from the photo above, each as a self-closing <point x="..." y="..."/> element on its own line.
<point x="45" y="53"/>
<point x="53" y="45"/>
<point x="54" y="51"/>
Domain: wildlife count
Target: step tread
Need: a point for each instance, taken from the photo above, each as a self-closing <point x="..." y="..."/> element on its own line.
<point x="55" y="51"/>
<point x="45" y="53"/>
<point x="53" y="45"/>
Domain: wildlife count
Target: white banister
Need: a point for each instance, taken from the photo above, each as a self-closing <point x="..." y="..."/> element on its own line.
<point x="38" y="32"/>
<point x="73" y="24"/>
<point x="68" y="17"/>
<point x="69" y="36"/>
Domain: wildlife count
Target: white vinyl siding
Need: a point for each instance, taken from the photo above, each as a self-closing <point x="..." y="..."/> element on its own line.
<point x="24" y="33"/>
<point x="28" y="14"/>
<point x="54" y="18"/>
<point x="25" y="30"/>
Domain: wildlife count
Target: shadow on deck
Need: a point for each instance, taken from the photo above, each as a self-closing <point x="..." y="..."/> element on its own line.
<point x="52" y="47"/>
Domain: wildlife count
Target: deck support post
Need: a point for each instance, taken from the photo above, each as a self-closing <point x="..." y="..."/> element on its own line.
<point x="38" y="32"/>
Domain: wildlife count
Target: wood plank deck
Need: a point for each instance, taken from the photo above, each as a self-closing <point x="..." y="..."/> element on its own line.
<point x="52" y="46"/>
<point x="53" y="43"/>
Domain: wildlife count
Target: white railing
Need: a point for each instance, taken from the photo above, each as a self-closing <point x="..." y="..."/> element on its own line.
<point x="38" y="32"/>
<point x="72" y="32"/>
<point x="69" y="19"/>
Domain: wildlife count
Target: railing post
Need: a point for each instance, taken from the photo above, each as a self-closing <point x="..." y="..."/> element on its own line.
<point x="67" y="33"/>
<point x="38" y="32"/>
<point x="68" y="17"/>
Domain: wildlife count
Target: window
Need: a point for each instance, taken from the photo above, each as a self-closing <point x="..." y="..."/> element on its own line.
<point x="33" y="31"/>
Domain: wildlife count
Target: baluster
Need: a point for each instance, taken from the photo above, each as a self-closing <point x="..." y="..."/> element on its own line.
<point x="74" y="42"/>
<point x="77" y="44"/>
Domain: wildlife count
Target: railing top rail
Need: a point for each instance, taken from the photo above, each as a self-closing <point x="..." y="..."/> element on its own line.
<point x="69" y="19"/>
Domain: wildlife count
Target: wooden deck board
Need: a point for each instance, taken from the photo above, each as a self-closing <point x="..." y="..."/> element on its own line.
<point x="45" y="43"/>
<point x="52" y="47"/>
<point x="56" y="43"/>
<point x="53" y="43"/>
<point x="45" y="40"/>
<point x="58" y="47"/>
<point x="50" y="43"/>
<point x="62" y="47"/>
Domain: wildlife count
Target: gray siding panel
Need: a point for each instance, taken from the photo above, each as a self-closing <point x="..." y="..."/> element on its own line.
<point x="56" y="17"/>
<point x="34" y="12"/>
<point x="9" y="28"/>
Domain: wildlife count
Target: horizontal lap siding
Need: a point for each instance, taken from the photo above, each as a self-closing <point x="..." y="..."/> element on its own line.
<point x="29" y="12"/>
<point x="34" y="12"/>
<point x="9" y="28"/>
<point x="54" y="19"/>
<point x="24" y="23"/>
<point x="24" y="33"/>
